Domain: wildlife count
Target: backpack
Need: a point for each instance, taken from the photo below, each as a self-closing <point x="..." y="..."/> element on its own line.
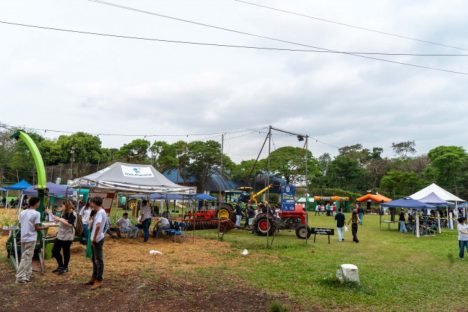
<point x="79" y="228"/>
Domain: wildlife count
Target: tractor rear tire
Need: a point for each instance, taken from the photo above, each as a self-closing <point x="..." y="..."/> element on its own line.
<point x="264" y="225"/>
<point x="226" y="212"/>
<point x="303" y="232"/>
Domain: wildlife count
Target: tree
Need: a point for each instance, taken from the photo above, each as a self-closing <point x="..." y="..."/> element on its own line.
<point x="345" y="172"/>
<point x="82" y="147"/>
<point x="446" y="164"/>
<point x="400" y="183"/>
<point x="205" y="158"/>
<point x="136" y="151"/>
<point x="291" y="162"/>
<point x="402" y="149"/>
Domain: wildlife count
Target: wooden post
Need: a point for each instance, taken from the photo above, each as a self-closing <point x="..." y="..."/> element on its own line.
<point x="417" y="225"/>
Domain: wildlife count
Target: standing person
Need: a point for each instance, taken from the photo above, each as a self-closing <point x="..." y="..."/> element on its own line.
<point x="65" y="237"/>
<point x="354" y="225"/>
<point x="340" y="223"/>
<point x="327" y="208"/>
<point x="333" y="210"/>
<point x="402" y="222"/>
<point x="30" y="222"/>
<point x="317" y="210"/>
<point x="146" y="218"/>
<point x="238" y="214"/>
<point x="85" y="214"/>
<point x="360" y="211"/>
<point x="462" y="237"/>
<point x="97" y="242"/>
<point x="249" y="214"/>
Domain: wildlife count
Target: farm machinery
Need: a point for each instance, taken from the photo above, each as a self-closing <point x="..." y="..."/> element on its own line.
<point x="268" y="223"/>
<point x="224" y="216"/>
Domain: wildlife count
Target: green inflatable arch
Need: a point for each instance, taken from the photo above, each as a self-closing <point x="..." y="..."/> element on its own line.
<point x="40" y="168"/>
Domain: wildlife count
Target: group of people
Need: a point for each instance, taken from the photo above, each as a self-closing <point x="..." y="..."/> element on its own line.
<point x="30" y="224"/>
<point x="341" y="224"/>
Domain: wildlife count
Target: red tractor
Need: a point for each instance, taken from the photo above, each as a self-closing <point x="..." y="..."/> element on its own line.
<point x="267" y="223"/>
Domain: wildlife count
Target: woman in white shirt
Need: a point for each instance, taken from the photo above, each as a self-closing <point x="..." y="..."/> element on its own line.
<point x="85" y="214"/>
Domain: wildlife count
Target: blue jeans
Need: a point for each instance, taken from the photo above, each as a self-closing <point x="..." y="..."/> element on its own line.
<point x="146" y="225"/>
<point x="403" y="227"/>
<point x="361" y="216"/>
<point x="461" y="246"/>
<point x="85" y="237"/>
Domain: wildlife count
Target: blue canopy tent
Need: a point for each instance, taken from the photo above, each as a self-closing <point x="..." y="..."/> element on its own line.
<point x="56" y="190"/>
<point x="21" y="185"/>
<point x="409" y="203"/>
<point x="205" y="197"/>
<point x="433" y="199"/>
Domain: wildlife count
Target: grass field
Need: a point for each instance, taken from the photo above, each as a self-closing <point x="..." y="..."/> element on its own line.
<point x="398" y="271"/>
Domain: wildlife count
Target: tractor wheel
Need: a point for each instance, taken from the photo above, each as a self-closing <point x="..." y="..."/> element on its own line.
<point x="226" y="212"/>
<point x="264" y="226"/>
<point x="303" y="232"/>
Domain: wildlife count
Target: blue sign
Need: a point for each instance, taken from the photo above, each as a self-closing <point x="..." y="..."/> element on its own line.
<point x="288" y="201"/>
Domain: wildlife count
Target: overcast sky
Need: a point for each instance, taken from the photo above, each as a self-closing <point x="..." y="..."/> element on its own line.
<point x="102" y="85"/>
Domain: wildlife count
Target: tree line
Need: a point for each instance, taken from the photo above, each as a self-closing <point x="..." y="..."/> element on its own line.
<point x="353" y="171"/>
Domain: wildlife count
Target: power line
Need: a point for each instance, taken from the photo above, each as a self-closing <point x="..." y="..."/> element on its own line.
<point x="9" y="127"/>
<point x="272" y="38"/>
<point x="351" y="26"/>
<point x="221" y="45"/>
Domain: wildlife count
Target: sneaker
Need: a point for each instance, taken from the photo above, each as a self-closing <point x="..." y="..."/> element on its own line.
<point x="63" y="271"/>
<point x="56" y="270"/>
<point x="23" y="282"/>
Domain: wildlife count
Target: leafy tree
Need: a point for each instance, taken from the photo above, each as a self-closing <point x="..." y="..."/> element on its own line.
<point x="402" y="149"/>
<point x="400" y="183"/>
<point x="446" y="164"/>
<point x="82" y="147"/>
<point x="290" y="163"/>
<point x="136" y="151"/>
<point x="205" y="158"/>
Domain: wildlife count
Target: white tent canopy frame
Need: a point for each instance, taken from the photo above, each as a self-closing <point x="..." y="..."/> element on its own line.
<point x="437" y="190"/>
<point x="131" y="178"/>
<point x="441" y="193"/>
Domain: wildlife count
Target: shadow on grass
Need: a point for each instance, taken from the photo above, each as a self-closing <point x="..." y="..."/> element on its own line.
<point x="332" y="282"/>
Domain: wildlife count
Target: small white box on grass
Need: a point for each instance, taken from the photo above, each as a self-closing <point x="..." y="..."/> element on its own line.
<point x="348" y="273"/>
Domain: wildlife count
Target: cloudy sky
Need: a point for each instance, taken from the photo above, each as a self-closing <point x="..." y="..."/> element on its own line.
<point x="76" y="82"/>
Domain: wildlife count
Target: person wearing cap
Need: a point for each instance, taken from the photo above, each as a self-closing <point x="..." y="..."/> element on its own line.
<point x="462" y="236"/>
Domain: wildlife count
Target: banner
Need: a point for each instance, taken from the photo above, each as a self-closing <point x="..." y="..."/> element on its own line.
<point x="137" y="172"/>
<point x="288" y="200"/>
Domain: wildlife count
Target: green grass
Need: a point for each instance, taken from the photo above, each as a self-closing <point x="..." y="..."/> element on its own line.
<point x="399" y="272"/>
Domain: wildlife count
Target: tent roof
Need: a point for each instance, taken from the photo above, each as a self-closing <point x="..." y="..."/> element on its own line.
<point x="131" y="178"/>
<point x="440" y="192"/>
<point x="433" y="199"/>
<point x="53" y="189"/>
<point x="21" y="185"/>
<point x="304" y="199"/>
<point x="157" y="196"/>
<point x="377" y="198"/>
<point x="205" y="197"/>
<point x="408" y="203"/>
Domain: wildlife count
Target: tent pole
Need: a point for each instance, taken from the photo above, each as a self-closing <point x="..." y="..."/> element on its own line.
<point x="450" y="220"/>
<point x="438" y="222"/>
<point x="417" y="225"/>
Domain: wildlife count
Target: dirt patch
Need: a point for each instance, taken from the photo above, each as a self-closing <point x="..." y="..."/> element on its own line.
<point x="188" y="276"/>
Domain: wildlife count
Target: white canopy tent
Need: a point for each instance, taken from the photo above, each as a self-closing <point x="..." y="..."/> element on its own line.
<point x="131" y="178"/>
<point x="437" y="190"/>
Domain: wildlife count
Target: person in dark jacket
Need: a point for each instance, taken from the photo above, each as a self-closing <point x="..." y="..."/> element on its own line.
<point x="340" y="224"/>
<point x="354" y="226"/>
